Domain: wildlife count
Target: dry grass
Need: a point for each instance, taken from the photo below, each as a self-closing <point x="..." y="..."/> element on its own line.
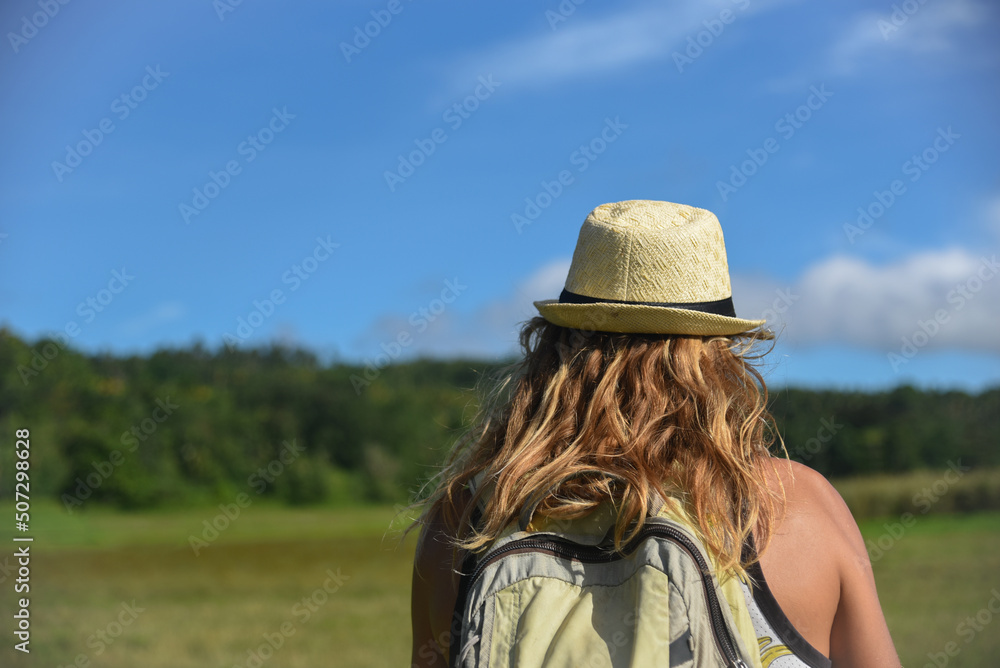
<point x="211" y="610"/>
<point x="922" y="492"/>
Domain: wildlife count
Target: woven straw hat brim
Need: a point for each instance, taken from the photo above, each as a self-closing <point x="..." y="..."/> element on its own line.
<point x="643" y="319"/>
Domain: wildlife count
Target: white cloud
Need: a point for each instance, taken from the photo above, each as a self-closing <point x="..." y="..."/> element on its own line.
<point x="546" y="283"/>
<point x="934" y="28"/>
<point x="850" y="301"/>
<point x="583" y="47"/>
<point x="840" y="300"/>
<point x="935" y="35"/>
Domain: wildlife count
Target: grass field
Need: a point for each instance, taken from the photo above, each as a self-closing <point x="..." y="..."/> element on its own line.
<point x="125" y="590"/>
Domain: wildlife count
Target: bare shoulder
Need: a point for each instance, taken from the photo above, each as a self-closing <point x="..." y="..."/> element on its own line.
<point x="809" y="493"/>
<point x="817" y="528"/>
<point x="818" y="519"/>
<point x="802" y="480"/>
<point x="814" y="506"/>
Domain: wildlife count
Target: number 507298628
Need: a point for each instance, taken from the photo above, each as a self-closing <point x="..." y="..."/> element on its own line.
<point x="21" y="482"/>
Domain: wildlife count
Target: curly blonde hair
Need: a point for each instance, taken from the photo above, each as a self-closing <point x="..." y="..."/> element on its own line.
<point x="586" y="417"/>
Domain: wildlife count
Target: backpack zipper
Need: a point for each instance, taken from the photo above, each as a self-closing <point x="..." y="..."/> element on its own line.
<point x="561" y="547"/>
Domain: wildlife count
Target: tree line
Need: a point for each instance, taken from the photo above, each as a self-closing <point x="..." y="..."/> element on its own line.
<point x="193" y="425"/>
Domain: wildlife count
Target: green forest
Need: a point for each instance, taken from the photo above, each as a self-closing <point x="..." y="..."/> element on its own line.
<point x="192" y="425"/>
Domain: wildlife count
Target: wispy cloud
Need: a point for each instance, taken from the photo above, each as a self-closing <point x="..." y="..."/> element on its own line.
<point x="934" y="28"/>
<point x="585" y="47"/>
<point x="871" y="41"/>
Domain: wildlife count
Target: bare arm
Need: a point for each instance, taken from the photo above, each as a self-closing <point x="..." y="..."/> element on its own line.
<point x="434" y="590"/>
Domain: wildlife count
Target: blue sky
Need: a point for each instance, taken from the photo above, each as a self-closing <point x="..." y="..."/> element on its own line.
<point x="217" y="156"/>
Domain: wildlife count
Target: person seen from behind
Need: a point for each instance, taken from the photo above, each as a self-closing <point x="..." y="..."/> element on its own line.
<point x="641" y="370"/>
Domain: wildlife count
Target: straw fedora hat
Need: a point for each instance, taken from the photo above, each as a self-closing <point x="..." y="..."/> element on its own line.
<point x="647" y="267"/>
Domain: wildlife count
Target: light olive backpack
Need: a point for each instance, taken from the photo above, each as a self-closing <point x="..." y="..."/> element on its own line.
<point x="554" y="594"/>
